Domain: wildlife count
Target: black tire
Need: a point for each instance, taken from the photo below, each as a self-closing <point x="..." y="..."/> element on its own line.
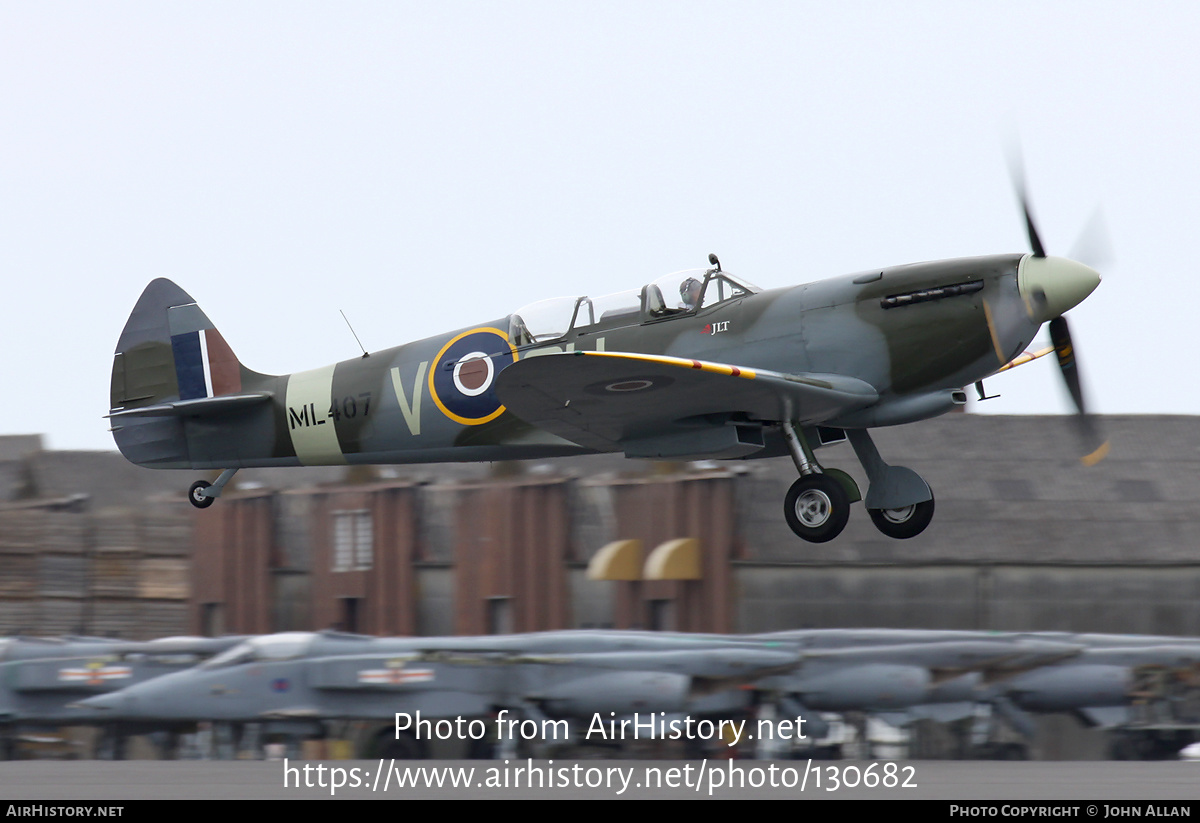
<point x="903" y="523"/>
<point x="816" y="508"/>
<point x="198" y="500"/>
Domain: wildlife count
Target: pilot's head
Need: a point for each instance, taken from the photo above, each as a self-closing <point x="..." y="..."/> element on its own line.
<point x="689" y="292"/>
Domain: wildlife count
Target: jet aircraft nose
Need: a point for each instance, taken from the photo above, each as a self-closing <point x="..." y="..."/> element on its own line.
<point x="114" y="701"/>
<point x="1051" y="286"/>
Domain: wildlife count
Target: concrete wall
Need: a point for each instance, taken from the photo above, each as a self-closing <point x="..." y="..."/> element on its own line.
<point x="1024" y="536"/>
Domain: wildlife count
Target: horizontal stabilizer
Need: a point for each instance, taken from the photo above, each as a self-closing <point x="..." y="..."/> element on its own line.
<point x="201" y="407"/>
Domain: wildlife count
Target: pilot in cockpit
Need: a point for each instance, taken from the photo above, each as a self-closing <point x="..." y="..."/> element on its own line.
<point x="689" y="293"/>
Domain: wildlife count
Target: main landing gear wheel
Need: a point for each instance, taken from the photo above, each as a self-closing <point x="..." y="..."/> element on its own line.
<point x="196" y="498"/>
<point x="903" y="523"/>
<point x="816" y="508"/>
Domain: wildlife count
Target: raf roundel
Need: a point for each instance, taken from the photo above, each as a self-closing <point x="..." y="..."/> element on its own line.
<point x="461" y="380"/>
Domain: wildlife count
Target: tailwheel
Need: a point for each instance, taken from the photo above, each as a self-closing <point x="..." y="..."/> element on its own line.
<point x="816" y="508"/>
<point x="196" y="496"/>
<point x="905" y="522"/>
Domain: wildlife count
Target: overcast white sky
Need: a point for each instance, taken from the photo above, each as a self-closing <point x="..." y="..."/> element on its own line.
<point x="427" y="166"/>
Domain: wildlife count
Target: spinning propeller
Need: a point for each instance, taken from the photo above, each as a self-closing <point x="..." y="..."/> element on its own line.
<point x="1051" y="286"/>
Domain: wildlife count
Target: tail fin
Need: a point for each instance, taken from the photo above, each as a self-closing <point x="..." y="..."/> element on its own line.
<point x="170" y="351"/>
<point x="172" y="364"/>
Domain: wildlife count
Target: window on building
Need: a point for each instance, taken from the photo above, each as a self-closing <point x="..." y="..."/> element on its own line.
<point x="352" y="541"/>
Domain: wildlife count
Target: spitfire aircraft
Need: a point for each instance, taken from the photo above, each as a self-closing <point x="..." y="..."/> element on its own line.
<point x="694" y="365"/>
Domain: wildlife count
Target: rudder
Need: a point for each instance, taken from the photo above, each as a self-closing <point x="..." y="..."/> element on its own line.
<point x="170" y="350"/>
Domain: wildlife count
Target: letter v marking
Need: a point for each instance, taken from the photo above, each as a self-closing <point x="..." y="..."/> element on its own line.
<point x="412" y="413"/>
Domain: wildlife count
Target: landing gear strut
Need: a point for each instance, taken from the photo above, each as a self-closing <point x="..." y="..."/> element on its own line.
<point x="899" y="501"/>
<point x="817" y="506"/>
<point x="203" y="494"/>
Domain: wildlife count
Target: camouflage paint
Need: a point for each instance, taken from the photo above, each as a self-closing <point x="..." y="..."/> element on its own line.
<point x="434" y="400"/>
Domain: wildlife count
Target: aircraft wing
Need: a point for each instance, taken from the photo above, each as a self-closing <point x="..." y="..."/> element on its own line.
<point x="658" y="406"/>
<point x="717" y="663"/>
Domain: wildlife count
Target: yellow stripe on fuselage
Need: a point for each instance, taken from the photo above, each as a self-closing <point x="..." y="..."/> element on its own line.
<point x="679" y="362"/>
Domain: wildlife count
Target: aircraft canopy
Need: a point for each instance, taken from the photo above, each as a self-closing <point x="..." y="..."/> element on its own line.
<point x="679" y="293"/>
<point x="284" y="646"/>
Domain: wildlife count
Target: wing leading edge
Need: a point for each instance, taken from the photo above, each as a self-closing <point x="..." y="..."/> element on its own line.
<point x="659" y="406"/>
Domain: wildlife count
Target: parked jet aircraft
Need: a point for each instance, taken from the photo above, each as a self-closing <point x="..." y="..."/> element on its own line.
<point x="1099" y="678"/>
<point x="301" y="678"/>
<point x="39" y="678"/>
<point x="724" y="370"/>
<point x="886" y="677"/>
<point x="306" y="678"/>
<point x="1101" y="685"/>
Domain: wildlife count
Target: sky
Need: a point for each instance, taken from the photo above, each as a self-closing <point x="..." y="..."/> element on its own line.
<point x="425" y="166"/>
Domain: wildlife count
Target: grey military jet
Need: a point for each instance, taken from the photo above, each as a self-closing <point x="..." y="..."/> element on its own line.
<point x="547" y="677"/>
<point x="295" y="680"/>
<point x="1104" y="685"/>
<point x="889" y="677"/>
<point x="1108" y="686"/>
<point x="41" y="677"/>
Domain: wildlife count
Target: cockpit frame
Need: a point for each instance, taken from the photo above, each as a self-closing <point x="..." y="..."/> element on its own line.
<point x="712" y="288"/>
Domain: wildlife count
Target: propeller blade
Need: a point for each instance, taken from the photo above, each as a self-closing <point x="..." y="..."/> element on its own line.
<point x="1060" y="337"/>
<point x="1064" y="350"/>
<point x="1035" y="242"/>
<point x="1072" y="282"/>
<point x="1017" y="168"/>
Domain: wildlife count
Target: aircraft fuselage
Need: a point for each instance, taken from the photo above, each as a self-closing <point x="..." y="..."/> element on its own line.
<point x="947" y="324"/>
